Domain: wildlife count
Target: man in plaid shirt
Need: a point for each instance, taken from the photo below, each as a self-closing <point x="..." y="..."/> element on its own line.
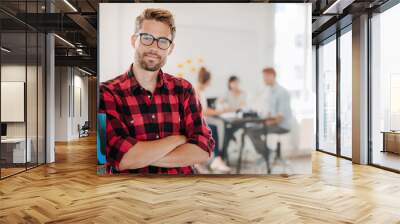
<point x="154" y="120"/>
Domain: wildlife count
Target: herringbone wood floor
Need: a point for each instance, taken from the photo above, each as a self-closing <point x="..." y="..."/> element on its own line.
<point x="69" y="191"/>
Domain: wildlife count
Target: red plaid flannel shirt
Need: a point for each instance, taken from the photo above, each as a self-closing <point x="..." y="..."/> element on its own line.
<point x="134" y="114"/>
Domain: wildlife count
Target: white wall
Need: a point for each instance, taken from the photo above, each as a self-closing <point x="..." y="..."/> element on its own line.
<point x="33" y="126"/>
<point x="16" y="73"/>
<point x="66" y="121"/>
<point x="80" y="83"/>
<point x="61" y="104"/>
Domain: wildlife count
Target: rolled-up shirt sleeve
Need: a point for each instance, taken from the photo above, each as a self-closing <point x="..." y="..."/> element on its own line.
<point x="118" y="139"/>
<point x="197" y="130"/>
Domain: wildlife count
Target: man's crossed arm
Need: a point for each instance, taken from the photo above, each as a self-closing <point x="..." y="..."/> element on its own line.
<point x="172" y="151"/>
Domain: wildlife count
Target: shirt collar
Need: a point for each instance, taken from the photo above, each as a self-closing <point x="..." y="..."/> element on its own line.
<point x="274" y="87"/>
<point x="161" y="80"/>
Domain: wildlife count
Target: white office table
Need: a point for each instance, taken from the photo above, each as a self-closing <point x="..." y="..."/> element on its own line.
<point x="18" y="149"/>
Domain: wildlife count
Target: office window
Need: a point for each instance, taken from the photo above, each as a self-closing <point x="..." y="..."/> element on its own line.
<point x="327" y="97"/>
<point x="385" y="88"/>
<point x="346" y="94"/>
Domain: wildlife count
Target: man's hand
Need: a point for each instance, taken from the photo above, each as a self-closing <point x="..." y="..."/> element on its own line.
<point x="228" y="110"/>
<point x="270" y="121"/>
<point x="274" y="120"/>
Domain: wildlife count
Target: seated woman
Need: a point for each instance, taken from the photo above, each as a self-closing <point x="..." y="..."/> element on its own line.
<point x="234" y="98"/>
<point x="216" y="125"/>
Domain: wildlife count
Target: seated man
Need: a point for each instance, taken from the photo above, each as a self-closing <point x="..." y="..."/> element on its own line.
<point x="154" y="121"/>
<point x="279" y="113"/>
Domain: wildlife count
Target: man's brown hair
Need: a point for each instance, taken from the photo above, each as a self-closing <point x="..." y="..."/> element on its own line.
<point x="269" y="70"/>
<point x="204" y="75"/>
<point x="160" y="15"/>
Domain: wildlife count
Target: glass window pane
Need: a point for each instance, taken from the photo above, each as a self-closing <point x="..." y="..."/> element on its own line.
<point x="32" y="87"/>
<point x="346" y="94"/>
<point x="31" y="96"/>
<point x="41" y="98"/>
<point x="327" y="97"/>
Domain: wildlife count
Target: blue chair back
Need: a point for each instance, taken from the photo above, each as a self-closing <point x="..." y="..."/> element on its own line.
<point x="101" y="138"/>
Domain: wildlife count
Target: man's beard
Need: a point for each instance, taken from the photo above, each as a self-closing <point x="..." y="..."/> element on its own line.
<point x="148" y="66"/>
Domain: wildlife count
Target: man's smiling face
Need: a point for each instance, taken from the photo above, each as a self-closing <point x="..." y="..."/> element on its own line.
<point x="152" y="58"/>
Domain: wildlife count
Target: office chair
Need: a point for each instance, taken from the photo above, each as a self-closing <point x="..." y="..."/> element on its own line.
<point x="278" y="150"/>
<point x="84" y="130"/>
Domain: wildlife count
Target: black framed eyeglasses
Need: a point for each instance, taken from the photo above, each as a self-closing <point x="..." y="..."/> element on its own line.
<point x="148" y="39"/>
